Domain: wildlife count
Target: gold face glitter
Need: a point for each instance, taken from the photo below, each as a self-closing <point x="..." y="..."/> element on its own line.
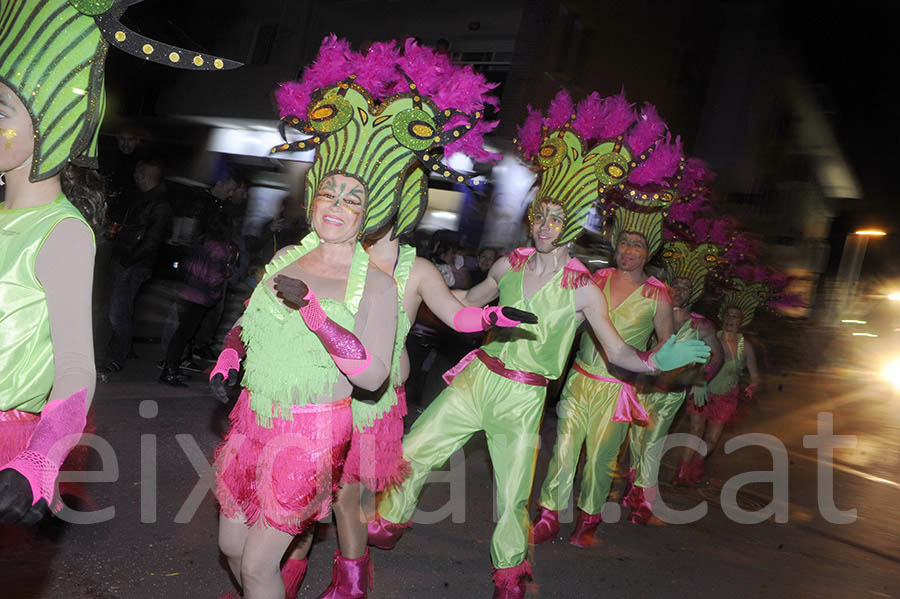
<point x="8" y="135"/>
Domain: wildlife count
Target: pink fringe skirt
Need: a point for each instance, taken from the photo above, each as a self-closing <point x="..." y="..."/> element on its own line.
<point x="285" y="476"/>
<point x="719" y="408"/>
<point x="376" y="454"/>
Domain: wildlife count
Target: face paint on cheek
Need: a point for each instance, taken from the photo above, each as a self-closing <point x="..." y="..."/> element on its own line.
<point x="9" y="135"/>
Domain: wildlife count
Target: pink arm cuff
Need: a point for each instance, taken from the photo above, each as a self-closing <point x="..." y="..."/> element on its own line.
<point x="344" y="347"/>
<point x="647" y="358"/>
<point x="58" y="431"/>
<point x="233" y="341"/>
<point x="228" y="360"/>
<point x="475" y="320"/>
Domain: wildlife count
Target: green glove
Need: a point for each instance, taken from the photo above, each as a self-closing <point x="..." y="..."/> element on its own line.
<point x="699" y="394"/>
<point x="675" y="355"/>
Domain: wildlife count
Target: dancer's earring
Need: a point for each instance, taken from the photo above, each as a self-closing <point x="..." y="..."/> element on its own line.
<point x="2" y="179"/>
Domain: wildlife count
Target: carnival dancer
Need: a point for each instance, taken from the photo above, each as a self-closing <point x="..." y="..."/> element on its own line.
<point x="500" y="388"/>
<point x="641" y="171"/>
<point x="714" y="405"/>
<point x="373" y="119"/>
<point x="687" y="266"/>
<point x="51" y="105"/>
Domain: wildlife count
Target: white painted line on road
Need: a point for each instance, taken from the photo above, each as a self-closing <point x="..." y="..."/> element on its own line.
<point x="848" y="470"/>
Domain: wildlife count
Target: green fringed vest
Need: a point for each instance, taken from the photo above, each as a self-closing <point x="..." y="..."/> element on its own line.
<point x="364" y="414"/>
<point x="286" y="364"/>
<point x="26" y="350"/>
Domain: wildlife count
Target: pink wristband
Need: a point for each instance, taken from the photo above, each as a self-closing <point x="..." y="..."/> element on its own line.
<point x="646" y="357"/>
<point x="468" y="320"/>
<point x="228" y="360"/>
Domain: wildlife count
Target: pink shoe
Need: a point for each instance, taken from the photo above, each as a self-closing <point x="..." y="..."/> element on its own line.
<point x="634" y="497"/>
<point x="509" y="583"/>
<point x="384" y="534"/>
<point x="292" y="573"/>
<point x="350" y="578"/>
<point x="545" y="527"/>
<point x="698" y="469"/>
<point x="684" y="476"/>
<point x="585" y="527"/>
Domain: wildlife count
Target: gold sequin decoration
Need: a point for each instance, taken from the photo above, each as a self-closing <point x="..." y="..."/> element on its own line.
<point x="218" y="63"/>
<point x="120" y="36"/>
<point x="198" y="60"/>
<point x="148" y="49"/>
<point x="174" y="57"/>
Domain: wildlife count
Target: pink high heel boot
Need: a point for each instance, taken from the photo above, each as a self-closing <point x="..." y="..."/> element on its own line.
<point x="292" y="573"/>
<point x="585" y="527"/>
<point x="384" y="534"/>
<point x="350" y="578"/>
<point x="545" y="527"/>
<point x="509" y="583"/>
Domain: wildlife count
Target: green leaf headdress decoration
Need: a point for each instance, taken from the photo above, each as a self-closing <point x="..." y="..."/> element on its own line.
<point x="694" y="263"/>
<point x="747" y="296"/>
<point x="52" y="55"/>
<point x="387" y="120"/>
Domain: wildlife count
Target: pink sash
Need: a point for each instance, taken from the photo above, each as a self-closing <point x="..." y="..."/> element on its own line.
<point x="628" y="408"/>
<point x="496" y="366"/>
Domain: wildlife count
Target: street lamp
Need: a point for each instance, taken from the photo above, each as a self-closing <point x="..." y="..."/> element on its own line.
<point x="870" y="233"/>
<point x="851" y="263"/>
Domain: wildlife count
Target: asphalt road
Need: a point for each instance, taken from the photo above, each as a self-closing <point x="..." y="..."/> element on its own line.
<point x="161" y="542"/>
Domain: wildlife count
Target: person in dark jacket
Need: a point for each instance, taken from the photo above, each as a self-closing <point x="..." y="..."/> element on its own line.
<point x="144" y="229"/>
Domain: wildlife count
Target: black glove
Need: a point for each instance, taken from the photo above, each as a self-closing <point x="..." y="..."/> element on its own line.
<point x="220" y="385"/>
<point x="16" y="498"/>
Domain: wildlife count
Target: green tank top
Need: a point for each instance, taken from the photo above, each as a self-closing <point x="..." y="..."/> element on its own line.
<point x="633" y="319"/>
<point x="26" y="350"/>
<point x="286" y="364"/>
<point x="730" y="373"/>
<point x="542" y="348"/>
<point x="364" y="414"/>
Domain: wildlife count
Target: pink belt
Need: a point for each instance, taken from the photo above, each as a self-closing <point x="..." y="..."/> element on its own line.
<point x="496" y="366"/>
<point x="628" y="408"/>
<point x="18" y="416"/>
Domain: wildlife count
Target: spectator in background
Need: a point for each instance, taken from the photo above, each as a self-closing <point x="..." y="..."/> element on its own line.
<point x="204" y="273"/>
<point x="137" y="239"/>
<point x="486" y="258"/>
<point x="449" y="259"/>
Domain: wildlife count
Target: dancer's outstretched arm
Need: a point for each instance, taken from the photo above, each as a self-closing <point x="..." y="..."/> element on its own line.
<point x="428" y="283"/>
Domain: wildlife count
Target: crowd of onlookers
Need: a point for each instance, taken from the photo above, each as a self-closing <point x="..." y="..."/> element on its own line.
<point x="194" y="239"/>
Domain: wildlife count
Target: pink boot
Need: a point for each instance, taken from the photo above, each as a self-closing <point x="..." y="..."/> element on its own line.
<point x="634" y="497"/>
<point x="546" y="526"/>
<point x="384" y="534"/>
<point x="642" y="511"/>
<point x="509" y="583"/>
<point x="698" y="469"/>
<point x="350" y="578"/>
<point x="292" y="573"/>
<point x="585" y="527"/>
<point x="684" y="476"/>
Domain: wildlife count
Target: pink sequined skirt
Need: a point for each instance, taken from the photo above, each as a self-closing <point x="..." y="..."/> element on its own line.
<point x="284" y="476"/>
<point x="376" y="454"/>
<point x="719" y="408"/>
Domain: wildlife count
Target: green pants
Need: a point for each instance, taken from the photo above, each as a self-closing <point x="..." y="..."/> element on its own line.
<point x="585" y="412"/>
<point x="510" y="415"/>
<point x="647" y="442"/>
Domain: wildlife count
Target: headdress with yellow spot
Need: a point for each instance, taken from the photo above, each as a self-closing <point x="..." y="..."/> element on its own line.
<point x="52" y="55"/>
<point x="603" y="150"/>
<point x="753" y="286"/>
<point x="387" y="120"/>
<point x="684" y="260"/>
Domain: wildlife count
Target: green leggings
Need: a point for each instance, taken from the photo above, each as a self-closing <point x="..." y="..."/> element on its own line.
<point x="510" y="415"/>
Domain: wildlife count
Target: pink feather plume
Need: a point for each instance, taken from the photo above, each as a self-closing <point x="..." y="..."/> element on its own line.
<point x="648" y="128"/>
<point x="599" y="118"/>
<point x="561" y="110"/>
<point x="529" y="132"/>
<point x="472" y="143"/>
<point x="696" y="174"/>
<point x="660" y="165"/>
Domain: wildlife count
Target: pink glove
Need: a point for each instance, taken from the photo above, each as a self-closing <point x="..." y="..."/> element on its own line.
<point x="750" y="390"/>
<point x="58" y="431"/>
<point x="345" y="348"/>
<point x="475" y="320"/>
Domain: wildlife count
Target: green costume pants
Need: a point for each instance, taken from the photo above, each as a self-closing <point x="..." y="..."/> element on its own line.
<point x="510" y="415"/>
<point x="647" y="442"/>
<point x="585" y="412"/>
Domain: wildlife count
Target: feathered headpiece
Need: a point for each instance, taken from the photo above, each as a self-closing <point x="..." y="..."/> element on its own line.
<point x="52" y="55"/>
<point x="753" y="286"/>
<point x="385" y="119"/>
<point x="569" y="146"/>
<point x="692" y="262"/>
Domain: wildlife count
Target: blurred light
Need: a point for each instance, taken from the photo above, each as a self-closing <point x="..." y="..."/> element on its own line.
<point x="864" y="335"/>
<point x="891" y="373"/>
<point x="895" y="296"/>
<point x="598" y="261"/>
<point x="851" y="321"/>
<point x="78" y="91"/>
<point x="871" y="232"/>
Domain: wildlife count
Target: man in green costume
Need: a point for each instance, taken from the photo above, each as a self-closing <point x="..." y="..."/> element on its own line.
<point x="500" y="388"/>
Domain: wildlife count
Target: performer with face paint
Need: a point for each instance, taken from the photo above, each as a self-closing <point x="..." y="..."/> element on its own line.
<point x="500" y="388"/>
<point x="377" y="121"/>
<point x="640" y="170"/>
<point x="52" y="55"/>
